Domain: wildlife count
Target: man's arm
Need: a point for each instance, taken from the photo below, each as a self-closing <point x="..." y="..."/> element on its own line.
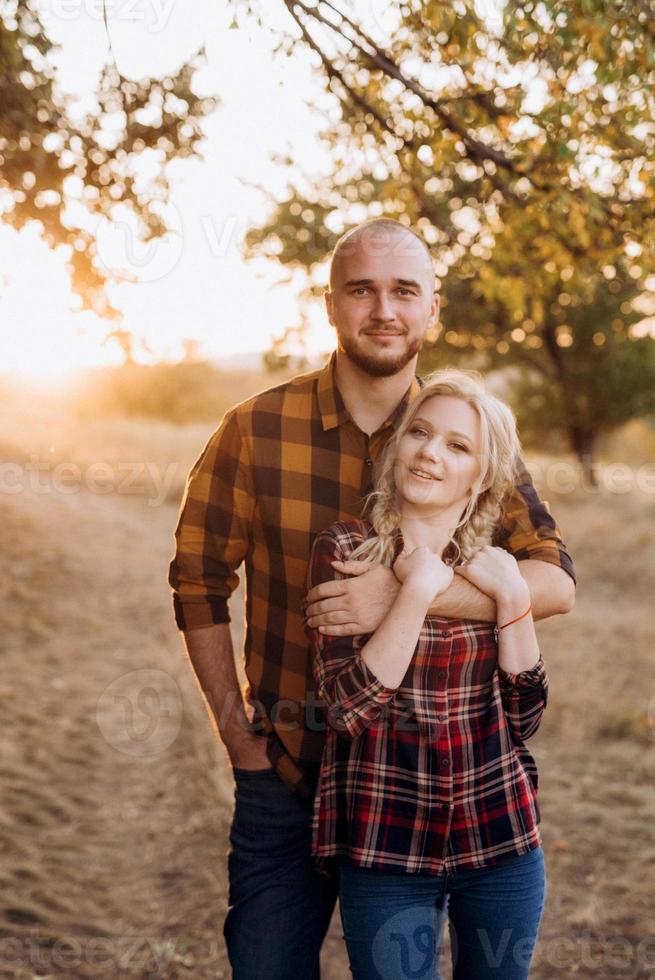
<point x="358" y="605"/>
<point x="526" y="530"/>
<point x="212" y="539"/>
<point x="211" y="654"/>
<point x="552" y="592"/>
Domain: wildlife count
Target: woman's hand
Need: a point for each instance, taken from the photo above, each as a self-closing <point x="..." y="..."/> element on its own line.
<point x="496" y="573"/>
<point x="423" y="570"/>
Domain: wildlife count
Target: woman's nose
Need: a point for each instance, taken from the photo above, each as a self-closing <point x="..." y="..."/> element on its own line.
<point x="431" y="449"/>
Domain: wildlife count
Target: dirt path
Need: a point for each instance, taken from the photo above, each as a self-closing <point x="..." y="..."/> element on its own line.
<point x="115" y="816"/>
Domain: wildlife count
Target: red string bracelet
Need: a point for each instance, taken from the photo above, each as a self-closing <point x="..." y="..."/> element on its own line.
<point x="518" y="618"/>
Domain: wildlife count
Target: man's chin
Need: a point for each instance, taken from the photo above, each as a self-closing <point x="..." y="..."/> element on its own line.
<point x="380" y="367"/>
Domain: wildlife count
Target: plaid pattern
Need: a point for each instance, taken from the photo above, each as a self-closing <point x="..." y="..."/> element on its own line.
<point x="281" y="467"/>
<point x="432" y="776"/>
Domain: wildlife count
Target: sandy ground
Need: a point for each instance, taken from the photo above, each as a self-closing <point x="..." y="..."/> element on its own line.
<point x="116" y="799"/>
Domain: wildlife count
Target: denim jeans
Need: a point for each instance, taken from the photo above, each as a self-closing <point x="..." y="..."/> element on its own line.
<point x="391" y="925"/>
<point x="280" y="905"/>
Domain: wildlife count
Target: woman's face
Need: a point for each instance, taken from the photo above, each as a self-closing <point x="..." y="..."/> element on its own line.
<point x="438" y="459"/>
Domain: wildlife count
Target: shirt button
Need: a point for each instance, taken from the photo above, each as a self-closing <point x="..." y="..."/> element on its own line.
<point x="368" y="461"/>
<point x="444" y="634"/>
<point x="445" y="763"/>
<point x="442" y="717"/>
<point x="442" y="675"/>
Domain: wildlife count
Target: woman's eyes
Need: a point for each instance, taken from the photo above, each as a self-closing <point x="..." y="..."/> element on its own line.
<point x="416" y="430"/>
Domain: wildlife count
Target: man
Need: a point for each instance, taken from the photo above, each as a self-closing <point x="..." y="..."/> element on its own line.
<point x="281" y="467"/>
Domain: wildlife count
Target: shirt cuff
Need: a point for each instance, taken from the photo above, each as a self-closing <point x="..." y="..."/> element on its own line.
<point x="534" y="677"/>
<point x="200" y="612"/>
<point x="359" y="699"/>
<point x="554" y="557"/>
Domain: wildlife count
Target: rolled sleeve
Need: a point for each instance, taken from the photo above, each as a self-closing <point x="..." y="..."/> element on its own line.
<point x="213" y="529"/>
<point x="524" y="698"/>
<point x="527" y="529"/>
<point x="354" y="698"/>
<point x="352" y="695"/>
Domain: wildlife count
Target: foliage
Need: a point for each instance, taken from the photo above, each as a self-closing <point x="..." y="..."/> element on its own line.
<point x="64" y="171"/>
<point x="526" y="156"/>
<point x="191" y="391"/>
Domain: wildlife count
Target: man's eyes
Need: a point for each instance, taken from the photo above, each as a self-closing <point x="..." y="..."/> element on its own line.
<point x="364" y="290"/>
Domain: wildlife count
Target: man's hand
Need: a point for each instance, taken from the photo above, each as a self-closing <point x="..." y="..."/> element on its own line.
<point x="248" y="752"/>
<point x="354" y="606"/>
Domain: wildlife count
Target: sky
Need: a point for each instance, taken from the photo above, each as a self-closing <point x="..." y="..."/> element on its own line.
<point x="194" y="283"/>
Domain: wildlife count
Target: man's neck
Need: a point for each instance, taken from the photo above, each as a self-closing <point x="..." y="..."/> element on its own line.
<point x="370" y="401"/>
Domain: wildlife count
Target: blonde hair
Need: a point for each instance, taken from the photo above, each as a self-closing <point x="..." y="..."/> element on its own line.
<point x="498" y="451"/>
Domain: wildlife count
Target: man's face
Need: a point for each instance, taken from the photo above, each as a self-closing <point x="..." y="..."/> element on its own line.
<point x="382" y="301"/>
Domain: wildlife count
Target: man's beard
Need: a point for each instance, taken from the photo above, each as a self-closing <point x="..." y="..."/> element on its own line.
<point x="379" y="366"/>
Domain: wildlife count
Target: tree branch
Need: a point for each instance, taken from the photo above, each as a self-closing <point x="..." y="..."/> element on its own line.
<point x="475" y="149"/>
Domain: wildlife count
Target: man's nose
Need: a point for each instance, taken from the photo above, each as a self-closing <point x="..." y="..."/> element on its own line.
<point x="383" y="308"/>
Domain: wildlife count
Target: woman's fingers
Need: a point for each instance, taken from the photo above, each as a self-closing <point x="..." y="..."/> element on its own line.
<point x="351" y="567"/>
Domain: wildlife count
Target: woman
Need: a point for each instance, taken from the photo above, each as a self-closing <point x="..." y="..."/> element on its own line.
<point x="426" y="789"/>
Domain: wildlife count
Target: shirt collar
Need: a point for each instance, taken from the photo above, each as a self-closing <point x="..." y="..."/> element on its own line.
<point x="331" y="406"/>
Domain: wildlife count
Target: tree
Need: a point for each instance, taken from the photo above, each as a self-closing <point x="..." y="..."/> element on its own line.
<point x="526" y="156"/>
<point x="54" y="166"/>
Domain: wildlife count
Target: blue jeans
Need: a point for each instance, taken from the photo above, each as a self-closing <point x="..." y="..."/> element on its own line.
<point x="280" y="905"/>
<point x="391" y="928"/>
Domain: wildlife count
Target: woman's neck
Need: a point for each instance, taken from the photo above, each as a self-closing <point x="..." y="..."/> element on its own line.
<point x="432" y="531"/>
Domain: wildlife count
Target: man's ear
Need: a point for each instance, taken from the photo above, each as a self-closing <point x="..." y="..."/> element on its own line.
<point x="329" y="305"/>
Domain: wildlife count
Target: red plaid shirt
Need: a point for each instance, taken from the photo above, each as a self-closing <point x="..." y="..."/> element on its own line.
<point x="434" y="775"/>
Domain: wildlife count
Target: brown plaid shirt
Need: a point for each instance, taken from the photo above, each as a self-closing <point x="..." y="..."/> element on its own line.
<point x="282" y="466"/>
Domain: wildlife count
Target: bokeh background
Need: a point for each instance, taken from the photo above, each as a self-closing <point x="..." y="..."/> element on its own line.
<point x="172" y="178"/>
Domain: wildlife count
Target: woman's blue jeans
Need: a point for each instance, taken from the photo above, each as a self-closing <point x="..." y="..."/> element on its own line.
<point x="391" y="922"/>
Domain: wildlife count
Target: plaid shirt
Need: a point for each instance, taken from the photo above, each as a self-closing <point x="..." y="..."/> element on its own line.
<point x="280" y="468"/>
<point x="434" y="775"/>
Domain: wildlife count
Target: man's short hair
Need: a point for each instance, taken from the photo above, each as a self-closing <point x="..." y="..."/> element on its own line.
<point x="384" y="234"/>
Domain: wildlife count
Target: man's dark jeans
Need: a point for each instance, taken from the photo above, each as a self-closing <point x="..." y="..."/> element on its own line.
<point x="280" y="905"/>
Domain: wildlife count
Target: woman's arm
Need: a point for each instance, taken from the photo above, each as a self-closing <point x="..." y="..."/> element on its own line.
<point x="388" y="653"/>
<point x="356" y="681"/>
<point x="523" y="679"/>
